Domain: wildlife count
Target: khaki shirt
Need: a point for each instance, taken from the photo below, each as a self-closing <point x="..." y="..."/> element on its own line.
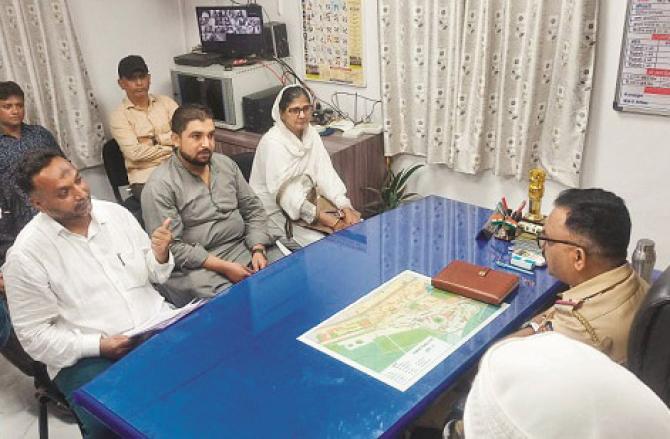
<point x="600" y="311"/>
<point x="129" y="123"/>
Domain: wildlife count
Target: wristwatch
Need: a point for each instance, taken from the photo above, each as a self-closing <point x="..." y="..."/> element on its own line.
<point x="533" y="325"/>
<point x="260" y="250"/>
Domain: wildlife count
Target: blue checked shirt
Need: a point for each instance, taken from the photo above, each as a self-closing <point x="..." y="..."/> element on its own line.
<point x="16" y="209"/>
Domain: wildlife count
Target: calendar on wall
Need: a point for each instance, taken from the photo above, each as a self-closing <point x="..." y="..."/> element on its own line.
<point x="644" y="68"/>
<point x="333" y="34"/>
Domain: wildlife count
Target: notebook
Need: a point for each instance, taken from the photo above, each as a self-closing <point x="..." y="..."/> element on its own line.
<point x="476" y="282"/>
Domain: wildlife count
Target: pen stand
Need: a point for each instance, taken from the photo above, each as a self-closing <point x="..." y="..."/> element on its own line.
<point x="499" y="226"/>
<point x="504" y="227"/>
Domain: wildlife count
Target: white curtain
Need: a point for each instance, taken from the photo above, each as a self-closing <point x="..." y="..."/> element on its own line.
<point x="489" y="84"/>
<point x="39" y="51"/>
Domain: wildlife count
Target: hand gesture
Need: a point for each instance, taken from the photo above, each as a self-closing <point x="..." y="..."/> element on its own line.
<point x="236" y="272"/>
<point x="161" y="239"/>
<point x="339" y="224"/>
<point x="116" y="346"/>
<point x="351" y="216"/>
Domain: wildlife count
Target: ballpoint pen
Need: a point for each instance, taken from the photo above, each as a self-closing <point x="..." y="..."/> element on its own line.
<point x="513" y="268"/>
<point x="518" y="212"/>
<point x="338" y="213"/>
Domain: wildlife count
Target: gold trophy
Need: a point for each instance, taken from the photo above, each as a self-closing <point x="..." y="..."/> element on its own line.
<point x="535" y="193"/>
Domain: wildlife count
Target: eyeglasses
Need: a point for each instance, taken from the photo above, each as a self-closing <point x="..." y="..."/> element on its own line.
<point x="307" y="109"/>
<point x="541" y="238"/>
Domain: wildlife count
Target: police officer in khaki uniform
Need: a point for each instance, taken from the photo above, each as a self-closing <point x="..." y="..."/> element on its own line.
<point x="585" y="242"/>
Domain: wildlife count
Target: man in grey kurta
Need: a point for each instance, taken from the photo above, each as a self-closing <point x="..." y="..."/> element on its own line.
<point x="224" y="219"/>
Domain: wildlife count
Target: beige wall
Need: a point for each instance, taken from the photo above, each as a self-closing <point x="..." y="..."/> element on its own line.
<point x="109" y="30"/>
<point x="626" y="153"/>
<point x="290" y="12"/>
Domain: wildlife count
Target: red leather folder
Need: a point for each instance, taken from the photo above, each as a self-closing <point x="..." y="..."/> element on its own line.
<point x="476" y="282"/>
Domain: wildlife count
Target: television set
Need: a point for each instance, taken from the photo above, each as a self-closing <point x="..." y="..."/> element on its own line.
<point x="233" y="31"/>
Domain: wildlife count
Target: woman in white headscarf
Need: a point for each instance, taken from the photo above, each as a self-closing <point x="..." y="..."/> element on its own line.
<point x="292" y="169"/>
<point x="550" y="386"/>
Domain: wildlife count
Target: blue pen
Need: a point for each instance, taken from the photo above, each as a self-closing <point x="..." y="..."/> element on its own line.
<point x="513" y="268"/>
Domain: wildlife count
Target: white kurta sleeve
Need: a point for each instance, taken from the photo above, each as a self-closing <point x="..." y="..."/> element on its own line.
<point x="277" y="167"/>
<point x="34" y="311"/>
<point x="327" y="181"/>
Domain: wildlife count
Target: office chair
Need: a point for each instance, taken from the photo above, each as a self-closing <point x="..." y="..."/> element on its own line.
<point x="244" y="161"/>
<point x="648" y="347"/>
<point x="46" y="392"/>
<point x="115" y="167"/>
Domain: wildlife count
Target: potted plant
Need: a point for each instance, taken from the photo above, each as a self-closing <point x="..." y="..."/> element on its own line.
<point x="393" y="191"/>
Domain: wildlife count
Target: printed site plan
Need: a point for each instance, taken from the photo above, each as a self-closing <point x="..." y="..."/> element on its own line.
<point x="401" y="330"/>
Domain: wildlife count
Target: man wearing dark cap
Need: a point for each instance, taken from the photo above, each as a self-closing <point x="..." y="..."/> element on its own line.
<point x="141" y="124"/>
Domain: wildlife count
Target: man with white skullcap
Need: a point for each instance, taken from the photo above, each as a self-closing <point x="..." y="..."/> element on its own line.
<point x="550" y="386"/>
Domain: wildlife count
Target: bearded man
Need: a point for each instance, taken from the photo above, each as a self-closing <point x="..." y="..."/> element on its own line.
<point x="218" y="222"/>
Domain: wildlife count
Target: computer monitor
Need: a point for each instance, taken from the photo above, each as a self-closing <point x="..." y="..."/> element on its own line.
<point x="222" y="90"/>
<point x="234" y="31"/>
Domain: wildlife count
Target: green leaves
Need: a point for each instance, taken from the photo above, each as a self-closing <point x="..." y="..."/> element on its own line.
<point x="393" y="191"/>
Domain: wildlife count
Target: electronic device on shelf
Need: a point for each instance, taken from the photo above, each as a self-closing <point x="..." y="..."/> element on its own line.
<point x="323" y="116"/>
<point x="198" y="59"/>
<point x="275" y="40"/>
<point x="222" y="88"/>
<point x="257" y="108"/>
<point x="232" y="31"/>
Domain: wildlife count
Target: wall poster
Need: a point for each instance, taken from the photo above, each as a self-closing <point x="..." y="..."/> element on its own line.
<point x="333" y="34"/>
<point x="643" y="84"/>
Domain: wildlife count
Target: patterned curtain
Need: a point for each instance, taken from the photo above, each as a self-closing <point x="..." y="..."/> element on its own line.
<point x="489" y="84"/>
<point x="39" y="51"/>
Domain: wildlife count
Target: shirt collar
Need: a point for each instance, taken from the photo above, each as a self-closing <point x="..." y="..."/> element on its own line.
<point x="601" y="282"/>
<point x="127" y="104"/>
<point x="98" y="217"/>
<point x="24" y="128"/>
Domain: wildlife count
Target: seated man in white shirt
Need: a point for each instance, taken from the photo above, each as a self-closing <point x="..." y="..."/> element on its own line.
<point x="78" y="276"/>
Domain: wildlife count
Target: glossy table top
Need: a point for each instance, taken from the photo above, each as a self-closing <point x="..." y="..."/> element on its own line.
<point x="235" y="369"/>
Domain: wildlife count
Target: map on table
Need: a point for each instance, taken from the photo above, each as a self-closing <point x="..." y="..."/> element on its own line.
<point x="401" y="330"/>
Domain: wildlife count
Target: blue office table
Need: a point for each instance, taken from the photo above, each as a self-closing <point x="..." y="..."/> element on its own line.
<point x="234" y="367"/>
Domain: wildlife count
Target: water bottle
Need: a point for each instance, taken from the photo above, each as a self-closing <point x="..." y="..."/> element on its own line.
<point x="644" y="258"/>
